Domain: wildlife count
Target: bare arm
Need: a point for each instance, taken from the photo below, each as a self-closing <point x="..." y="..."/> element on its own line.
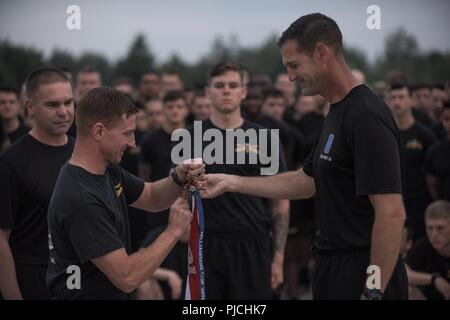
<point x="417" y="278"/>
<point x="280" y="212"/>
<point x="432" y="183"/>
<point x="159" y="195"/>
<point x="386" y="233"/>
<point x="8" y="279"/>
<point x="289" y="185"/>
<point x="127" y="272"/>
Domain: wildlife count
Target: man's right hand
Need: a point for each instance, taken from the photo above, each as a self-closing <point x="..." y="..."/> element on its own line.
<point x="180" y="217"/>
<point x="215" y="184"/>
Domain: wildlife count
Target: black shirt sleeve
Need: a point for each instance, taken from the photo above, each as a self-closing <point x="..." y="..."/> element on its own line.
<point x="308" y="164"/>
<point x="376" y="156"/>
<point x="417" y="255"/>
<point x="92" y="232"/>
<point x="9" y="195"/>
<point x="133" y="186"/>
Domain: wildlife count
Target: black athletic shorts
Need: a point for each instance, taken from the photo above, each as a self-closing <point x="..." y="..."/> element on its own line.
<point x="237" y="266"/>
<point x="342" y="275"/>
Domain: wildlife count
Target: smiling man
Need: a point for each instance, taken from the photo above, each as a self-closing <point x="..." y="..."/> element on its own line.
<point x="28" y="171"/>
<point x="88" y="215"/>
<point x="354" y="171"/>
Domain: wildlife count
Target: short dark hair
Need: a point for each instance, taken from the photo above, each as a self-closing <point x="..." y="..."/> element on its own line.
<point x="223" y="67"/>
<point x="173" y="96"/>
<point x="151" y="71"/>
<point x="399" y="86"/>
<point x="273" y="92"/>
<point x="9" y="89"/>
<point x="310" y="29"/>
<point x="104" y="105"/>
<point x="422" y="86"/>
<point x="44" y="76"/>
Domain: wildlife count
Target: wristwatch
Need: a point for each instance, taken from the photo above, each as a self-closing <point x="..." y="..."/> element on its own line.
<point x="175" y="177"/>
<point x="373" y="294"/>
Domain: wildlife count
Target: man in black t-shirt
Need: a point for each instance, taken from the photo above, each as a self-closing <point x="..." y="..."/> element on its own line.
<point x="9" y="114"/>
<point x="416" y="141"/>
<point x="89" y="233"/>
<point x="428" y="262"/>
<point x="437" y="164"/>
<point x="354" y="172"/>
<point x="240" y="260"/>
<point x="28" y="171"/>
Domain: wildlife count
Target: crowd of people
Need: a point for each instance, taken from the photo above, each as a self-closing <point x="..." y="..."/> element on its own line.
<point x="255" y="247"/>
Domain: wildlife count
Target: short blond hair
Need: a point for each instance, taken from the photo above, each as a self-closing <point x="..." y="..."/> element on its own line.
<point x="439" y="209"/>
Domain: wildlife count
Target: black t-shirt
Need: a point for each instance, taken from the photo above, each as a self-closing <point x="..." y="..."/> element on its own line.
<point x="423" y="258"/>
<point x="130" y="159"/>
<point x="437" y="163"/>
<point x="155" y="151"/>
<point x="357" y="155"/>
<point x="87" y="219"/>
<point x="415" y="143"/>
<point x="284" y="131"/>
<point x="19" y="132"/>
<point x="28" y="173"/>
<point x="232" y="213"/>
<point x="422" y="117"/>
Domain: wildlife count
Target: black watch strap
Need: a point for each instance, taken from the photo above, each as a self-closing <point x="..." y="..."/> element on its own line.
<point x="175" y="177"/>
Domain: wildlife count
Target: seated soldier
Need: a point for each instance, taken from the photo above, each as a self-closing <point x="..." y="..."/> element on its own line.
<point x="428" y="262"/>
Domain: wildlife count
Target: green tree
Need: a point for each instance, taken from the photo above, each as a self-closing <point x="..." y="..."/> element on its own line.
<point x="138" y="59"/>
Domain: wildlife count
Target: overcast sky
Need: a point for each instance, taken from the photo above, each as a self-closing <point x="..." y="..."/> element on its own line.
<point x="188" y="27"/>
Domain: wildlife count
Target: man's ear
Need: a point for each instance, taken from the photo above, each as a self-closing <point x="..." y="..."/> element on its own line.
<point x="30" y="107"/>
<point x="322" y="52"/>
<point x="98" y="131"/>
<point x="244" y="92"/>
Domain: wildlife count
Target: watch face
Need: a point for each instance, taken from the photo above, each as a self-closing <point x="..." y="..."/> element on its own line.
<point x="374" y="294"/>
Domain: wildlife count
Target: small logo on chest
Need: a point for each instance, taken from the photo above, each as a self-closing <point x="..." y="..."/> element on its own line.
<point x="414" y="144"/>
<point x="327" y="148"/>
<point x="118" y="189"/>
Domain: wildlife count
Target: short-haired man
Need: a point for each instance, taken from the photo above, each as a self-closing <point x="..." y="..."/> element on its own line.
<point x="10" y="114"/>
<point x="88" y="216"/>
<point x="416" y="141"/>
<point x="87" y="79"/>
<point x="240" y="260"/>
<point x="28" y="171"/>
<point x="354" y="171"/>
<point x="437" y="165"/>
<point x="149" y="86"/>
<point x="428" y="262"/>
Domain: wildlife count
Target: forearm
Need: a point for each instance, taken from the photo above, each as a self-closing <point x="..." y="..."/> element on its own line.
<point x="289" y="185"/>
<point x="162" y="274"/>
<point x="281" y="226"/>
<point x="386" y="238"/>
<point x="163" y="193"/>
<point x="8" y="279"/>
<point x="416" y="278"/>
<point x="143" y="263"/>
